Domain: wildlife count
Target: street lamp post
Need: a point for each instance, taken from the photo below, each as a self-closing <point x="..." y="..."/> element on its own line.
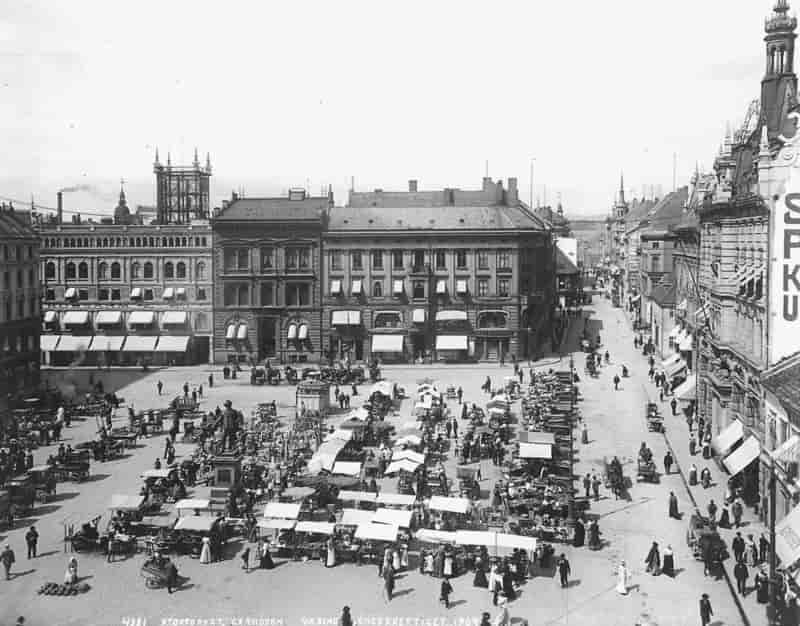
<point x="430" y="326"/>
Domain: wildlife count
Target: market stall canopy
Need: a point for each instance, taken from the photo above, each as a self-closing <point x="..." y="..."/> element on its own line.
<point x="383" y="387"/>
<point x="412" y="440"/>
<point x="787" y="544"/>
<point x="430" y="392"/>
<point x="356" y="414"/>
<point x="496" y="410"/>
<point x="745" y="454"/>
<point x="157" y="473"/>
<point x="424" y="404"/>
<point x="347" y="468"/>
<point x="319" y="528"/>
<point x="435" y="536"/>
<point x="397" y="499"/>
<point x="393" y="517"/>
<point x="686" y="390"/>
<point x="196" y="523"/>
<point x="193" y="503"/>
<point x="325" y="456"/>
<point x="284" y="510"/>
<point x="356" y="517"/>
<point x="405" y="465"/>
<point x="417" y="457"/>
<point x="297" y="493"/>
<point x="276" y="524"/>
<point x="453" y="505"/>
<point x="341" y="434"/>
<point x="126" y="503"/>
<point x="424" y="387"/>
<point x="535" y="451"/>
<point x="728" y="438"/>
<point x="357" y="496"/>
<point x="387" y="343"/>
<point x="505" y="540"/>
<point x="537" y="436"/>
<point x="377" y="532"/>
<point x="475" y="538"/>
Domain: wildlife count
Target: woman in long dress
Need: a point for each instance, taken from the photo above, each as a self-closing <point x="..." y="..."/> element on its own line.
<point x="266" y="557"/>
<point x="668" y="558"/>
<point x="205" y="552"/>
<point x="480" y="577"/>
<point x="623" y="576"/>
<point x="448" y="564"/>
<point x="71" y="575"/>
<point x="331" y="560"/>
<point x="494" y="579"/>
<point x="429" y="563"/>
<point x="579" y="534"/>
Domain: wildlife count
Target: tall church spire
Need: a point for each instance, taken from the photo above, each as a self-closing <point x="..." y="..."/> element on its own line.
<point x="621" y="199"/>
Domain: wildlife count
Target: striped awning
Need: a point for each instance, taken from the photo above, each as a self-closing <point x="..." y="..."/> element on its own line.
<point x="48" y="343"/>
<point x="169" y="293"/>
<point x="172" y="343"/>
<point x="139" y="343"/>
<point x="71" y="293"/>
<point x="50" y="317"/>
<point x="136" y="293"/>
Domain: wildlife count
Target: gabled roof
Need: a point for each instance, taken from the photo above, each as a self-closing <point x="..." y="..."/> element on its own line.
<point x="564" y="264"/>
<point x="14" y="225"/>
<point x="783" y="381"/>
<point x="274" y="210"/>
<point x="668" y="212"/>
<point x="664" y="294"/>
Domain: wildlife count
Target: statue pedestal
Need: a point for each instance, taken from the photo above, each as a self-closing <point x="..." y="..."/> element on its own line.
<point x="227" y="470"/>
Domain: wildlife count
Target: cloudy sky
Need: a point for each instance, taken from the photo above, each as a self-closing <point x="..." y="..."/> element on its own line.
<point x="313" y="93"/>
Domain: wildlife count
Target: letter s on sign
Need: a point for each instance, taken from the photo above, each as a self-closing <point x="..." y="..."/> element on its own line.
<point x="793" y="204"/>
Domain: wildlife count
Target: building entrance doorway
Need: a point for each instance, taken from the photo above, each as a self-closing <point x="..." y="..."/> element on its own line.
<point x="267" y="338"/>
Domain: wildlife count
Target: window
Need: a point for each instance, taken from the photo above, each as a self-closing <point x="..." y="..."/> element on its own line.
<point x="461" y="259"/>
<point x="148" y="270"/>
<point x="31" y="278"/>
<point x="298" y="294"/>
<point x="180" y="270"/>
<point x="50" y="270"/>
<point x="237" y="259"/>
<point x="200" y="271"/>
<point x="34" y="306"/>
<point x="267" y="294"/>
<point x="50" y="294"/>
<point x="136" y="270"/>
<point x="201" y="321"/>
<point x="291" y="258"/>
<point x="492" y="319"/>
<point x="483" y="287"/>
<point x="503" y="285"/>
<point x="148" y="294"/>
<point x="116" y="270"/>
<point x="200" y="293"/>
<point x="377" y="289"/>
<point x="9" y="310"/>
<point x="169" y="270"/>
<point x="102" y="271"/>
<point x="336" y="260"/>
<point x="655" y="264"/>
<point x="116" y="294"/>
<point x="70" y="270"/>
<point x="440" y="260"/>
<point x="267" y="259"/>
<point x="503" y="260"/>
<point x="358" y="261"/>
<point x="388" y="319"/>
<point x="418" y="289"/>
<point x="377" y="259"/>
<point x="21" y="279"/>
<point x="483" y="260"/>
<point x="397" y="259"/>
<point x="21" y="309"/>
<point x="83" y="294"/>
<point x="419" y="260"/>
<point x="103" y="294"/>
<point x="236" y="295"/>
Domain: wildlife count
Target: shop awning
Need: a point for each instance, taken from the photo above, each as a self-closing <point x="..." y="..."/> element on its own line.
<point x="535" y="451"/>
<point x="787" y="538"/>
<point x="241" y="332"/>
<point x="788" y="451"/>
<point x="356" y="496"/>
<point x="356" y="517"/>
<point x="453" y="505"/>
<point x="377" y="532"/>
<point x="50" y="317"/>
<point x="397" y="287"/>
<point x="291" y="332"/>
<point x="674" y="369"/>
<point x="180" y="292"/>
<point x="141" y="318"/>
<point x="745" y="454"/>
<point x="339" y="318"/>
<point x="71" y="293"/>
<point x="347" y="468"/>
<point x="728" y="438"/>
<point x="138" y="343"/>
<point x="387" y="343"/>
<point x="357" y="287"/>
<point x="107" y="343"/>
<point x="318" y="528"/>
<point x="196" y="523"/>
<point x="686" y="344"/>
<point x="405" y="465"/>
<point x="397" y="499"/>
<point x="282" y="510"/>
<point x="108" y="318"/>
<point x="418" y="316"/>
<point x="461" y="287"/>
<point x="393" y="517"/>
<point x="73" y="343"/>
<point x="336" y="287"/>
<point x="75" y="318"/>
<point x="686" y="390"/>
<point x="175" y="318"/>
<point x="674" y="332"/>
<point x="441" y="287"/>
<point x="451" y="342"/>
<point x="506" y="540"/>
<point x="230" y="332"/>
<point x="169" y="293"/>
<point x="475" y="538"/>
<point x="429" y="535"/>
<point x="447" y="316"/>
<point x="417" y="457"/>
<point x="48" y="343"/>
<point x="172" y="343"/>
<point x="670" y="361"/>
<point x="136" y="293"/>
<point x="302" y="332"/>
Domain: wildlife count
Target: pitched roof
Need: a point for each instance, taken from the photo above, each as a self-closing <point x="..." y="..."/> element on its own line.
<point x="783" y="381"/>
<point x="564" y="264"/>
<point x="14" y="225"/>
<point x="668" y="212"/>
<point x="274" y="209"/>
<point x="499" y="217"/>
<point x="664" y="294"/>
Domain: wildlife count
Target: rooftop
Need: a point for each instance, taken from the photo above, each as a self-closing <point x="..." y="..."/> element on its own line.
<point x="15" y="225"/>
<point x="668" y="212"/>
<point x="295" y="206"/>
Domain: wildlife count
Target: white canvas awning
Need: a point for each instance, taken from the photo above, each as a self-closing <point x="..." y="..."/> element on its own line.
<point x="636" y="298"/>
<point x="686" y="390"/>
<point x="356" y="517"/>
<point x="789" y="450"/>
<point x="336" y="287"/>
<point x="272" y="523"/>
<point x="675" y="369"/>
<point x="505" y="540"/>
<point x="136" y="293"/>
<point x="670" y="361"/>
<point x="141" y="318"/>
<point x="125" y="503"/>
<point x="197" y="504"/>
<point x="405" y="465"/>
<point x="461" y="287"/>
<point x="284" y="510"/>
<point x="413" y="440"/>
<point x="108" y="318"/>
<point x="137" y="343"/>
<point x="451" y="342"/>
<point x="241" y="332"/>
<point x="396" y="499"/>
<point x="441" y="287"/>
<point x="357" y="287"/>
<point x="169" y="293"/>
<point x="393" y="517"/>
<point x="230" y="332"/>
<point x="356" y="496"/>
<point x="172" y="343"/>
<point x="75" y="318"/>
<point x="452" y="315"/>
<point x="475" y="538"/>
<point x="787" y="538"/>
<point x="164" y="472"/>
<point x="302" y="332"/>
<point x="319" y="528"/>
<point x="291" y="332"/>
<point x="50" y="317"/>
<point x="536" y="436"/>
<point x="410" y="455"/>
<point x="196" y="523"/>
<point x="387" y="343"/>
<point x="107" y="343"/>
<point x="339" y="318"/>
<point x="686" y="344"/>
<point x="745" y="454"/>
<point x="383" y="387"/>
<point x="340" y="433"/>
<point x="377" y="532"/>
<point x="347" y="468"/>
<point x="48" y="343"/>
<point x="180" y="292"/>
<point x="728" y="438"/>
<point x="535" y="451"/>
<point x="435" y="536"/>
<point x="453" y="505"/>
<point x="73" y="343"/>
<point x="418" y="316"/>
<point x="71" y="293"/>
<point x="175" y="318"/>
<point x="397" y="287"/>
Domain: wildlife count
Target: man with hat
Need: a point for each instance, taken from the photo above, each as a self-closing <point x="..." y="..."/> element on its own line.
<point x="8" y="559"/>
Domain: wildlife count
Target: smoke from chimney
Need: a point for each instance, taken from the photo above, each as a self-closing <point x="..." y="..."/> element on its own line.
<point x="73" y="188"/>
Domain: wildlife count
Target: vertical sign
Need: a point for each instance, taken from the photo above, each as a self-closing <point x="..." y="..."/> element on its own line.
<point x="784" y="280"/>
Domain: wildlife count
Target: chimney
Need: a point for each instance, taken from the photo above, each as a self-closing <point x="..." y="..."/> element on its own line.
<point x="412" y="185"/>
<point x="512" y="196"/>
<point x="60" y="207"/>
<point x="498" y="197"/>
<point x="487" y="183"/>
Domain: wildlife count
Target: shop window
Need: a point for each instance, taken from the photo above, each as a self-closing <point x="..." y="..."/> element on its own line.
<point x="492" y="319"/>
<point x="389" y="319"/>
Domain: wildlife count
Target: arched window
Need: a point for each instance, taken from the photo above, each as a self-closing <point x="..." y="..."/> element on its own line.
<point x="203" y="240"/>
<point x="148" y="270"/>
<point x="180" y="270"/>
<point x="71" y="243"/>
<point x="116" y="270"/>
<point x="200" y="271"/>
<point x="377" y="289"/>
<point x="85" y="242"/>
<point x="118" y="242"/>
<point x="163" y="242"/>
<point x="136" y="270"/>
<point x="169" y="270"/>
<point x="138" y="242"/>
<point x="102" y="271"/>
<point x="183" y="242"/>
<point x="80" y="242"/>
<point x="151" y="242"/>
<point x="83" y="270"/>
<point x="70" y="270"/>
<point x="171" y="242"/>
<point x="50" y="270"/>
<point x="105" y="242"/>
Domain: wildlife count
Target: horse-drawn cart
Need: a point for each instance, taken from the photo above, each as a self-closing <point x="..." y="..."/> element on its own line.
<point x="655" y="422"/>
<point x="614" y="478"/>
<point x="704" y="540"/>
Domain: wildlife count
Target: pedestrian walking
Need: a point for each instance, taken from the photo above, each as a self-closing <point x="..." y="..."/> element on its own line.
<point x="674" y="406"/>
<point x="8" y="559"/>
<point x="741" y="574"/>
<point x="210" y="381"/>
<point x="668" y="565"/>
<point x="737" y="545"/>
<point x="653" y="560"/>
<point x="446" y="590"/>
<point x="563" y="570"/>
<point x="712" y="510"/>
<point x="200" y="390"/>
<point x="616" y="382"/>
<point x="245" y="556"/>
<point x="596" y="487"/>
<point x="345" y="619"/>
<point x="763" y="548"/>
<point x="185" y="389"/>
<point x="460" y="394"/>
<point x="172" y="576"/>
<point x="668" y="460"/>
<point x="587" y="484"/>
<point x="661" y="394"/>
<point x="705" y="610"/>
<point x="159" y="386"/>
<point x="31" y="540"/>
<point x="623" y="579"/>
<point x="737" y="509"/>
<point x="388" y="582"/>
<point x="584" y="435"/>
<point x="673" y="506"/>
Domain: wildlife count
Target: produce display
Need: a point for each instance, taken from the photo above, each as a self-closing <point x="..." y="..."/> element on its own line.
<point x="54" y="589"/>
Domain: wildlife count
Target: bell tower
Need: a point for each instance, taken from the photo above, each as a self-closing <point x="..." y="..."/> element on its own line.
<point x="779" y="84"/>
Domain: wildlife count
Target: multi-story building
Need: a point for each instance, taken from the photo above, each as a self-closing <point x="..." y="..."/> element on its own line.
<point x="267" y="290"/>
<point x="20" y="314"/>
<point x="117" y="291"/>
<point x="440" y="275"/>
<point x="635" y="223"/>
